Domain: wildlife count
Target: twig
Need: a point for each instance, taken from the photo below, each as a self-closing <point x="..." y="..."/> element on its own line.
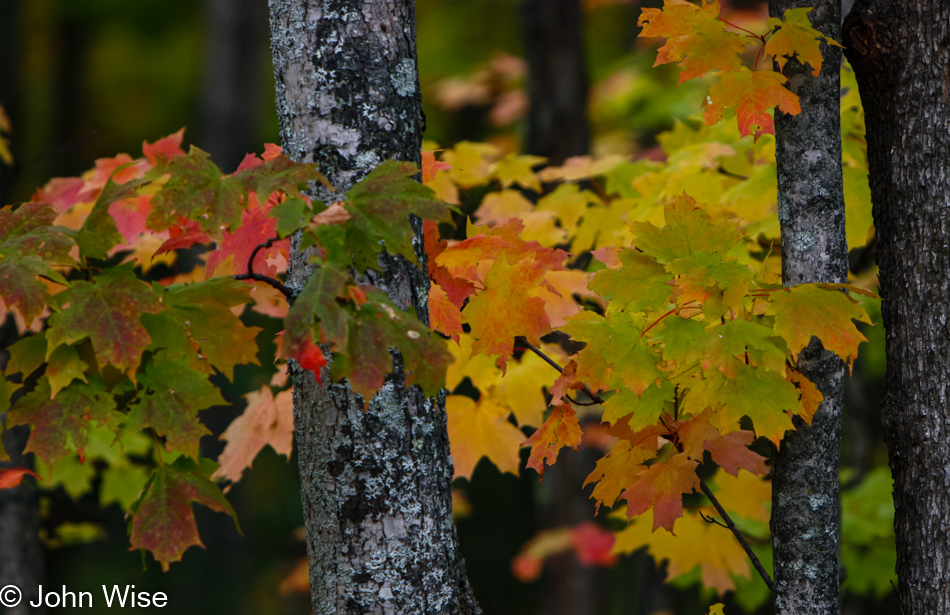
<point x="260" y="277"/>
<point x="712" y="520"/>
<point x="735" y="532"/>
<point x="586" y="391"/>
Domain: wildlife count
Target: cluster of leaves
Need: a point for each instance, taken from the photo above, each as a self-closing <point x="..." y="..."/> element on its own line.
<point x="699" y="40"/>
<point x="689" y="335"/>
<point x="119" y="336"/>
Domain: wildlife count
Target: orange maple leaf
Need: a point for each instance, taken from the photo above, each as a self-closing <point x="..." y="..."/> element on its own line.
<point x="267" y="420"/>
<point x="796" y="37"/>
<point x="695" y="37"/>
<point x="751" y="94"/>
<point x="661" y="487"/>
<point x="560" y="430"/>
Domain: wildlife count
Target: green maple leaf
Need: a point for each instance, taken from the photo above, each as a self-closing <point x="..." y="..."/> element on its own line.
<point x="317" y="305"/>
<point x="641" y="411"/>
<point x="806" y="310"/>
<point x="61" y="424"/>
<point x="614" y="342"/>
<point x="29" y="245"/>
<point x="64" y="366"/>
<point x="170" y="397"/>
<point x="377" y="325"/>
<point x="278" y="173"/>
<point x="381" y="204"/>
<point x="99" y="233"/>
<point x="196" y="191"/>
<point x="687" y="230"/>
<point x="163" y="521"/>
<point x="199" y="327"/>
<point x="639" y="284"/>
<point x="108" y="311"/>
<point x="27" y="354"/>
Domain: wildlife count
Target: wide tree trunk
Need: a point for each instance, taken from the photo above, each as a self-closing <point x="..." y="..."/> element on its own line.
<point x="376" y="484"/>
<point x="806" y="509"/>
<point x="900" y="52"/>
<point x="557" y="78"/>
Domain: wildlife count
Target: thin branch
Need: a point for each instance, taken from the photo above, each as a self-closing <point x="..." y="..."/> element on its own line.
<point x="712" y="520"/>
<point x="586" y="391"/>
<point x="735" y="532"/>
<point x="260" y="277"/>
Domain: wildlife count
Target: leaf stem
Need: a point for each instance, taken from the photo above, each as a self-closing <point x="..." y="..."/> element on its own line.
<point x="749" y="32"/>
<point x="735" y="532"/>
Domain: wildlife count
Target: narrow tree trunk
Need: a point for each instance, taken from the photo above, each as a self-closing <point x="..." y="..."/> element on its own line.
<point x="805" y="503"/>
<point x="557" y="78"/>
<point x="21" y="553"/>
<point x="900" y="52"/>
<point x="228" y="111"/>
<point x="376" y="484"/>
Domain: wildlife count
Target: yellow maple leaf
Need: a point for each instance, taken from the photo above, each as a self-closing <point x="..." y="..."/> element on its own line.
<point x="479" y="430"/>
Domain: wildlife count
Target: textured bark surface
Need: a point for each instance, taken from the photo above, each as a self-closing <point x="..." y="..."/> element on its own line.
<point x="806" y="509"/>
<point x="375" y="483"/>
<point x="21" y="553"/>
<point x="900" y="52"/>
<point x="557" y="78"/>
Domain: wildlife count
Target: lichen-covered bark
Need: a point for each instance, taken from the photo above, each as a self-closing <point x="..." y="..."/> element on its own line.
<point x="900" y="52"/>
<point x="375" y="483"/>
<point x="805" y="501"/>
<point x="557" y="78"/>
<point x="21" y="553"/>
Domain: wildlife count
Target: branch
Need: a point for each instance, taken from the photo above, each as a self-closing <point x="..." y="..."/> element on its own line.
<point x="586" y="391"/>
<point x="702" y="484"/>
<point x="735" y="532"/>
<point x="260" y="277"/>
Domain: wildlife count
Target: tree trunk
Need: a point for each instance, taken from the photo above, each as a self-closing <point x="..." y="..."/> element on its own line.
<point x="21" y="552"/>
<point x="557" y="78"/>
<point x="806" y="509"/>
<point x="900" y="52"/>
<point x="376" y="484"/>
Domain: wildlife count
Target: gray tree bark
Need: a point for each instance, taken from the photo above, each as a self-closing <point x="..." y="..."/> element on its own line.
<point x="557" y="78"/>
<point x="900" y="52"/>
<point x="806" y="508"/>
<point x="375" y="484"/>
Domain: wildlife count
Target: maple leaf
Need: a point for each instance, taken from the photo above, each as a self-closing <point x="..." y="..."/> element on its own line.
<point x="719" y="557"/>
<point x="696" y="37"/>
<point x="99" y="233"/>
<point x="560" y="430"/>
<point x="444" y="316"/>
<point x="267" y="420"/>
<point x="764" y="396"/>
<point x="731" y="451"/>
<point x="639" y="284"/>
<point x="795" y="36"/>
<point x="195" y="191"/>
<point x="108" y="311"/>
<point x="163" y="521"/>
<point x="168" y="147"/>
<point x="256" y="228"/>
<point x="661" y="487"/>
<point x="12" y="477"/>
<point x="805" y="311"/>
<point x="61" y="425"/>
<point x="687" y="230"/>
<point x="479" y="430"/>
<point x="640" y="410"/>
<point x="506" y="309"/>
<point x="169" y="401"/>
<point x="751" y="94"/>
<point x="379" y="324"/>
<point x="316" y="299"/>
<point x="64" y="366"/>
<point x="381" y="204"/>
<point x="614" y="472"/>
<point x="311" y="357"/>
<point x="431" y="166"/>
<point x="515" y="169"/>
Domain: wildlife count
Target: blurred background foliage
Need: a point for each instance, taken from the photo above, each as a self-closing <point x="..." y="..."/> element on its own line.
<point x="85" y="80"/>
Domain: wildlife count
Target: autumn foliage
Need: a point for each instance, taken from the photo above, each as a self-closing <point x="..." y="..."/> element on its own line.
<point x="636" y="305"/>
